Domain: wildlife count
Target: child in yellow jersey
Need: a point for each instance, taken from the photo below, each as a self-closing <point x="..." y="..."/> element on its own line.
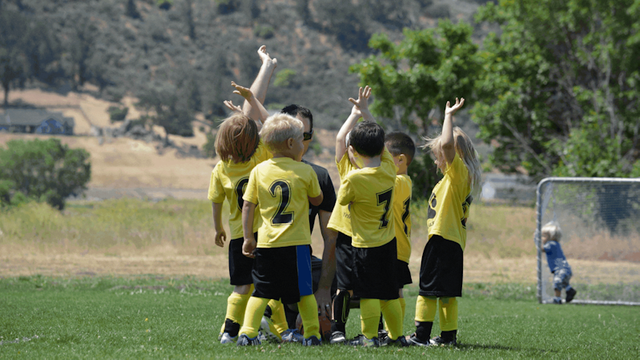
<point x="368" y="189"/>
<point x="442" y="259"/>
<point x="402" y="148"/>
<point x="282" y="187"/>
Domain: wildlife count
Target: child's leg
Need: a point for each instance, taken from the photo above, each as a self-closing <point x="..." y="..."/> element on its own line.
<point x="308" y="308"/>
<point x="392" y="311"/>
<point x="403" y="303"/>
<point x="425" y="314"/>
<point x="369" y="317"/>
<point x="277" y="316"/>
<point x="253" y="316"/>
<point x="341" y="311"/>
<point x="236" y="307"/>
<point x="448" y="318"/>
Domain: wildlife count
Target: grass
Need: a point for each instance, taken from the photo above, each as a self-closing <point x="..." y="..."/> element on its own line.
<point x="153" y="317"/>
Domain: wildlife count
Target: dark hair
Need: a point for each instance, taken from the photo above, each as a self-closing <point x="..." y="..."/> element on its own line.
<point x="294" y="110"/>
<point x="367" y="138"/>
<point x="398" y="143"/>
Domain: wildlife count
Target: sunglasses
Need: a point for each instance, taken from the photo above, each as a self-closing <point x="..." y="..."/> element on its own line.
<point x="307" y="135"/>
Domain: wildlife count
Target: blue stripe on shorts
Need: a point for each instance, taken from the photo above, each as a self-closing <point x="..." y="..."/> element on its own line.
<point x="305" y="280"/>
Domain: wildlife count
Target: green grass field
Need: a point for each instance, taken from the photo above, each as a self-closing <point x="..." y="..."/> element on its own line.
<point x="153" y="317"/>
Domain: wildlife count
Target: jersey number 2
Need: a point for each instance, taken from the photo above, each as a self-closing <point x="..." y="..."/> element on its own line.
<point x="281" y="217"/>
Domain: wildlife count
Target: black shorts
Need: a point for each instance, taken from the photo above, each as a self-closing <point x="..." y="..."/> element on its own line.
<point x="403" y="273"/>
<point x="344" y="262"/>
<point x="283" y="273"/>
<point x="441" y="268"/>
<point x="240" y="266"/>
<point x="375" y="272"/>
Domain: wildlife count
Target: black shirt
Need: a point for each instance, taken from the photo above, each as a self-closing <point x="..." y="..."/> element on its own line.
<point x="329" y="193"/>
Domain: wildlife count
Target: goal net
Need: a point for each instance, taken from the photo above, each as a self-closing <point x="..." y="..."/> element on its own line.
<point x="600" y="223"/>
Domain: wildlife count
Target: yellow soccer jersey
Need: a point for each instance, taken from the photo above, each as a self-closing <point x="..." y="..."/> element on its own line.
<point x="281" y="187"/>
<point x="449" y="204"/>
<point x="370" y="192"/>
<point x="402" y="216"/>
<point x="340" y="219"/>
<point x="228" y="181"/>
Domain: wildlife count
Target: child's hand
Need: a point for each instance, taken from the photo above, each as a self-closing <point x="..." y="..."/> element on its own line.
<point x="449" y="110"/>
<point x="242" y="91"/>
<point x="230" y="106"/>
<point x="355" y="111"/>
<point x="264" y="56"/>
<point x="248" y="247"/>
<point x="363" y="99"/>
<point x="221" y="237"/>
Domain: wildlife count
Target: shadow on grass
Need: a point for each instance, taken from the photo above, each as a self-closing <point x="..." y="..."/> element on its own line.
<point x="469" y="347"/>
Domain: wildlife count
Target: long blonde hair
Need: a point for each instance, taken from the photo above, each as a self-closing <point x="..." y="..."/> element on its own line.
<point x="237" y="139"/>
<point x="467" y="152"/>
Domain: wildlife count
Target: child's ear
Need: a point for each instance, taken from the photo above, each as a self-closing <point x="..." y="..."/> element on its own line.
<point x="402" y="158"/>
<point x="290" y="143"/>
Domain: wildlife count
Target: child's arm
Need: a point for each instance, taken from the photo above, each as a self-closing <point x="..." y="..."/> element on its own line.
<point x="316" y="201"/>
<point x="261" y="83"/>
<point x="447" y="141"/>
<point x="352" y="120"/>
<point x="249" y="244"/>
<point x="221" y="235"/>
<point x="247" y="94"/>
<point x="230" y="106"/>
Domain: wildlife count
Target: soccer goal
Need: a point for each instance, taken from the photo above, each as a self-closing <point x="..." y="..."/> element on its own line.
<point x="600" y="222"/>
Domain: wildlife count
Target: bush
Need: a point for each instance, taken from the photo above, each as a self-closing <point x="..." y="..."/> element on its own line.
<point x="209" y="148"/>
<point x="43" y="171"/>
<point x="117" y="113"/>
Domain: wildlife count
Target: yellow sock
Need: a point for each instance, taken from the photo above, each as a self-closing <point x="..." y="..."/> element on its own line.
<point x="370" y="317"/>
<point x="253" y="316"/>
<point x="426" y="308"/>
<point x="308" y="308"/>
<point x="392" y="312"/>
<point x="448" y="314"/>
<point x="277" y="316"/>
<point x="403" y="306"/>
<point x="236" y="306"/>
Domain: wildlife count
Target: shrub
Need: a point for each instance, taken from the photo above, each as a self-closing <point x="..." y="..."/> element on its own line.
<point x="117" y="113"/>
<point x="42" y="170"/>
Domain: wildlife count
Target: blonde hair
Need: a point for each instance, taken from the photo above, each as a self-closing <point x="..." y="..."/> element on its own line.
<point x="552" y="229"/>
<point x="467" y="152"/>
<point x="278" y="128"/>
<point x="237" y="139"/>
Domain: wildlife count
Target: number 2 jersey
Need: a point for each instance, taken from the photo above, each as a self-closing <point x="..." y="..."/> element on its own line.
<point x="229" y="180"/>
<point x="370" y="192"/>
<point x="281" y="188"/>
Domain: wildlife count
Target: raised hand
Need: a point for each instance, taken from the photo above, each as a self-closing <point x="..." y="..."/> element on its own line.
<point x="451" y="110"/>
<point x="363" y="99"/>
<point x="242" y="91"/>
<point x="266" y="59"/>
<point x="230" y="106"/>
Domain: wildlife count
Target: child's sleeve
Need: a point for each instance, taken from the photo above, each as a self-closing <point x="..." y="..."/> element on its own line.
<point x="216" y="190"/>
<point x="457" y="170"/>
<point x="313" y="189"/>
<point x="346" y="193"/>
<point x="251" y="193"/>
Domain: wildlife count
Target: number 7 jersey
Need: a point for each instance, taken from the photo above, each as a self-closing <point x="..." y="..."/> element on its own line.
<point x="370" y="192"/>
<point x="281" y="188"/>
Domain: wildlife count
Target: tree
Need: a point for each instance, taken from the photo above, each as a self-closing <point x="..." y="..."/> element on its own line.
<point x="43" y="170"/>
<point x="13" y="60"/>
<point x="412" y="80"/>
<point x="559" y="90"/>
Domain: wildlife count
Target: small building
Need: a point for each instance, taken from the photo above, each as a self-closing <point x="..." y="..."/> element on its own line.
<point x="36" y="121"/>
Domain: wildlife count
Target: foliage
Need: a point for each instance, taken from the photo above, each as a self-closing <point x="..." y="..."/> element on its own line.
<point x="209" y="148"/>
<point x="559" y="87"/>
<point x="117" y="113"/>
<point x="42" y="170"/>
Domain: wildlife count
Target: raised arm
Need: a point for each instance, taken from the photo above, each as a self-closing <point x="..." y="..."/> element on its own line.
<point x="250" y="98"/>
<point x="446" y="139"/>
<point x="352" y="120"/>
<point x="261" y="83"/>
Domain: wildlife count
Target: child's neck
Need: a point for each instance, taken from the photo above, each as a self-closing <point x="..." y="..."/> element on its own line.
<point x="370" y="161"/>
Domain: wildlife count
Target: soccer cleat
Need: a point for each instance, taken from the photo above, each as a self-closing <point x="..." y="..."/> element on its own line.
<point x="292" y="335"/>
<point x="401" y="341"/>
<point x="269" y="330"/>
<point x="244" y="340"/>
<point x="557" y="300"/>
<point x="227" y="339"/>
<point x="337" y="337"/>
<point x="383" y="337"/>
<point x="312" y="341"/>
<point x="439" y="341"/>
<point x="571" y="293"/>
<point x="415" y="341"/>
<point x="362" y="340"/>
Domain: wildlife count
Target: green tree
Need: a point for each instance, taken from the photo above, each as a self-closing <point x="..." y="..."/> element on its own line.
<point x="13" y="60"/>
<point x="43" y="170"/>
<point x="559" y="90"/>
<point x="412" y="80"/>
